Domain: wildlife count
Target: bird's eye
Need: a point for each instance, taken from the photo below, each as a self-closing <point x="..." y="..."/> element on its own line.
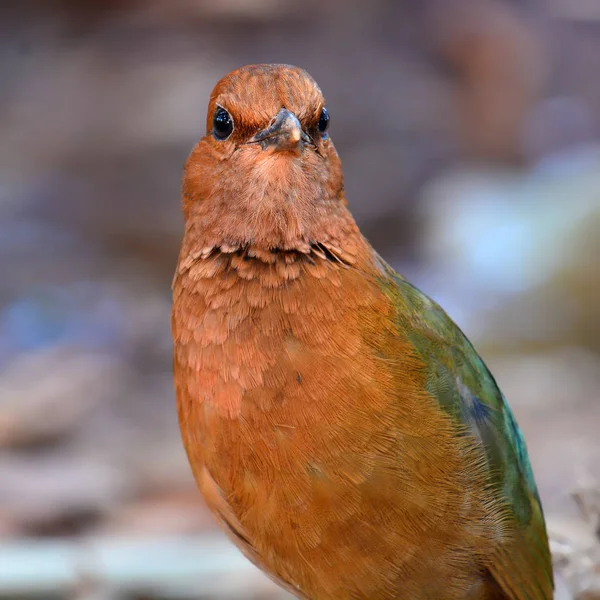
<point x="324" y="122"/>
<point x="222" y="124"/>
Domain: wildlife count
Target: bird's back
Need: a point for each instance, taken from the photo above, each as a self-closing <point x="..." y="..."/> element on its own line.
<point x="463" y="387"/>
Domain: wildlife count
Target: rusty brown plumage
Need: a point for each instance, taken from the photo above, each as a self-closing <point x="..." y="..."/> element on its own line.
<point x="304" y="386"/>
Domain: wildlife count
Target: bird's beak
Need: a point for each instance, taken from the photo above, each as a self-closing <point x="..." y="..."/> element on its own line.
<point x="285" y="133"/>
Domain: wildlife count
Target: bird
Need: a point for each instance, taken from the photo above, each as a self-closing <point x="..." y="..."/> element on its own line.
<point x="341" y="428"/>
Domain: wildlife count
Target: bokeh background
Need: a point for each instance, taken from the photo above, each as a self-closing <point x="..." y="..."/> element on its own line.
<point x="469" y="135"/>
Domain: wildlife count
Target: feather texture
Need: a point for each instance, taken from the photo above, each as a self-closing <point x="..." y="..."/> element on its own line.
<point x="344" y="432"/>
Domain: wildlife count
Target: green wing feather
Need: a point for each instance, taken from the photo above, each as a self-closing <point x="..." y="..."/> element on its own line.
<point x="464" y="387"/>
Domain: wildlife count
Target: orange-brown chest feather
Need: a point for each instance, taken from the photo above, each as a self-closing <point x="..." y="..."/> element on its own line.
<point x="305" y="419"/>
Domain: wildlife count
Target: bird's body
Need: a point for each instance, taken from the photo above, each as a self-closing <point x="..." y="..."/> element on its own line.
<point x="340" y="426"/>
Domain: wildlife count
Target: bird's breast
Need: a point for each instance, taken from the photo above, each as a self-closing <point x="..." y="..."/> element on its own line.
<point x="296" y="405"/>
<point x="255" y="339"/>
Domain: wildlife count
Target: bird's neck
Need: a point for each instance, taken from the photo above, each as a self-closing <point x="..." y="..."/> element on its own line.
<point x="282" y="230"/>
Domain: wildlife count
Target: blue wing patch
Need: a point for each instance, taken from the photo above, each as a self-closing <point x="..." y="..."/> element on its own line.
<point x="476" y="412"/>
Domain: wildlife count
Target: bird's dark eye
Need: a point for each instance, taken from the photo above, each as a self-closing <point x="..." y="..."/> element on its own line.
<point x="324" y="122"/>
<point x="222" y="124"/>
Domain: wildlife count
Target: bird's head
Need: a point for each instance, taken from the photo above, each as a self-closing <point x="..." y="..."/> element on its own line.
<point x="266" y="173"/>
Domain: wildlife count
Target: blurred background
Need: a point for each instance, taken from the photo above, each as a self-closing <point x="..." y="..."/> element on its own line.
<point x="469" y="132"/>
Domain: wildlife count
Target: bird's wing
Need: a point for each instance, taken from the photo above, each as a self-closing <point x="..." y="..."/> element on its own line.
<point x="466" y="390"/>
